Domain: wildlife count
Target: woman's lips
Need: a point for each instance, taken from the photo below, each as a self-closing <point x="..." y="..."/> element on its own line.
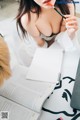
<point x="46" y="1"/>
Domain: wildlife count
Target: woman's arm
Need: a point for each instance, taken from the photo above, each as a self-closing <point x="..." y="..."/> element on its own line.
<point x="40" y="42"/>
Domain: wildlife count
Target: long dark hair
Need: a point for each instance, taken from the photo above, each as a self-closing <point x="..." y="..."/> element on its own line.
<point x="26" y="6"/>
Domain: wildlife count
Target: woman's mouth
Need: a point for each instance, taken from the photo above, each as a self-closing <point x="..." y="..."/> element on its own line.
<point x="46" y="1"/>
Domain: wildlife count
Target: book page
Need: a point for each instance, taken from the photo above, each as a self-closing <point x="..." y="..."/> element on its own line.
<point x="20" y="94"/>
<point x="16" y="111"/>
<point x="46" y="65"/>
<point x="26" y="97"/>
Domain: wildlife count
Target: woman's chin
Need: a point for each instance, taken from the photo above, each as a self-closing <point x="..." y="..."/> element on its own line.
<point x="47" y="7"/>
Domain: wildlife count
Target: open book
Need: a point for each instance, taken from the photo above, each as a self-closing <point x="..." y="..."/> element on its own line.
<point x="21" y="102"/>
<point x="24" y="102"/>
<point x="46" y="65"/>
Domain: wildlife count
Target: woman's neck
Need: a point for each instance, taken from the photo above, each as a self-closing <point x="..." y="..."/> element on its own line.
<point x="45" y="9"/>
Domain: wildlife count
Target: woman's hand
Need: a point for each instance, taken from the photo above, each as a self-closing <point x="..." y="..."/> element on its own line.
<point x="71" y="25"/>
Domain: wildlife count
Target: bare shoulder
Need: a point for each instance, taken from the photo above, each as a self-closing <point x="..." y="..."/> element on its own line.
<point x="25" y="21"/>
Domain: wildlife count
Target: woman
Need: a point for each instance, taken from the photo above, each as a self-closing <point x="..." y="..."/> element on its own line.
<point x="42" y="22"/>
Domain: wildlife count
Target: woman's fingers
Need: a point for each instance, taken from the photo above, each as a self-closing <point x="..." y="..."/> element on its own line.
<point x="70" y="27"/>
<point x="71" y="22"/>
<point x="70" y="17"/>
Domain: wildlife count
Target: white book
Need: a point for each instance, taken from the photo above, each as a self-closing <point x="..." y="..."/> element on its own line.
<point x="15" y="111"/>
<point x="17" y="101"/>
<point x="46" y="65"/>
<point x="21" y="102"/>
